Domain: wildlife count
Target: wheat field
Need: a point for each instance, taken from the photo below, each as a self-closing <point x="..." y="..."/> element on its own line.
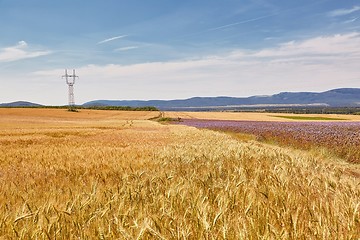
<point x="117" y="175"/>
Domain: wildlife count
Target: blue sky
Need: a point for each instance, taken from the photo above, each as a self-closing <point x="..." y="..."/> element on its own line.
<point x="163" y="49"/>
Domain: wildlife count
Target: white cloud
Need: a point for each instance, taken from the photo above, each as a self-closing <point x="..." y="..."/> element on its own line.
<point x="22" y="44"/>
<point x="343" y="12"/>
<point x="315" y="64"/>
<point x="126" y="48"/>
<point x="323" y="45"/>
<point x="19" y="51"/>
<point x="111" y="39"/>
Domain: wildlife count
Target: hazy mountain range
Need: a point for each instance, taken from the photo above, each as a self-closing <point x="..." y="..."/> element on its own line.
<point x="20" y="104"/>
<point x="342" y="97"/>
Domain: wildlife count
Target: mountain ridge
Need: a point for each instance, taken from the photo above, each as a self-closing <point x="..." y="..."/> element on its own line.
<point x="341" y="97"/>
<point x="20" y="104"/>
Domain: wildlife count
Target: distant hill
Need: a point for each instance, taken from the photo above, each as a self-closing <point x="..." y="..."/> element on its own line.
<point x="20" y="104"/>
<point x="343" y="97"/>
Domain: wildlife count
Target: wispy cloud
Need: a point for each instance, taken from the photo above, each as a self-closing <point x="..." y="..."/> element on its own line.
<point x="270" y="38"/>
<point x="242" y="22"/>
<point x="19" y="51"/>
<point x="351" y="20"/>
<point x="343" y="11"/>
<point x="125" y="48"/>
<point x="232" y="24"/>
<point x="111" y="39"/>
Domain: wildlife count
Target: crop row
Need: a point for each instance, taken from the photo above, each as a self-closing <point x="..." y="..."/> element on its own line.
<point x="341" y="138"/>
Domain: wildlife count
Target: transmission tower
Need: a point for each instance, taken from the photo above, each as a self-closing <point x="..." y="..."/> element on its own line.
<point x="70" y="81"/>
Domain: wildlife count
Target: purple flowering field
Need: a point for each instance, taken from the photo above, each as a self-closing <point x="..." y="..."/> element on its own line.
<point x="341" y="138"/>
